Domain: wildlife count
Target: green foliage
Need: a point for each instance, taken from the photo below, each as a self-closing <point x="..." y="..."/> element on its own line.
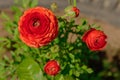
<point x="26" y="3"/>
<point x="25" y="63"/>
<point x="29" y="70"/>
<point x="70" y="55"/>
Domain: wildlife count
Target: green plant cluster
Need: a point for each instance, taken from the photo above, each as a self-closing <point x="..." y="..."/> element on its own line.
<point x="18" y="61"/>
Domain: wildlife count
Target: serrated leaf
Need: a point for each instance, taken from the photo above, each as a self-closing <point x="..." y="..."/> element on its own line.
<point x="29" y="70"/>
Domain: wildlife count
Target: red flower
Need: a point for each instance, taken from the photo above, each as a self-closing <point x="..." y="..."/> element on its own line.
<point x="38" y="26"/>
<point x="95" y="39"/>
<point x="76" y="10"/>
<point x="52" y="67"/>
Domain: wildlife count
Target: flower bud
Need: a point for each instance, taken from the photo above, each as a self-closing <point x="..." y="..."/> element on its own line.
<point x="52" y="67"/>
<point x="72" y="11"/>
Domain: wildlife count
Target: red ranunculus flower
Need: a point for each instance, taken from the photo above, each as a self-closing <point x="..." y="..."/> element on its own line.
<point x="76" y="10"/>
<point x="52" y="67"/>
<point x="38" y="26"/>
<point x="95" y="39"/>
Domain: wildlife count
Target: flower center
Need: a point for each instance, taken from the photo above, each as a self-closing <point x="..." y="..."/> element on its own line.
<point x="36" y="23"/>
<point x="97" y="41"/>
<point x="52" y="69"/>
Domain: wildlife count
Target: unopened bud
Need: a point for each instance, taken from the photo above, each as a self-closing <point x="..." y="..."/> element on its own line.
<point x="72" y="11"/>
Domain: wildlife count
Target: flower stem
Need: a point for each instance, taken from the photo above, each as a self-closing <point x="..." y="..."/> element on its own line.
<point x="53" y="78"/>
<point x="72" y="2"/>
<point x="75" y="3"/>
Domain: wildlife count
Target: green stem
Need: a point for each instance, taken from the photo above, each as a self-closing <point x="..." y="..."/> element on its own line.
<point x="53" y="78"/>
<point x="64" y="16"/>
<point x="75" y="3"/>
<point x="72" y="2"/>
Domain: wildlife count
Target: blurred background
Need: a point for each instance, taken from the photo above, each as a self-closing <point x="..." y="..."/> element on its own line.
<point x="105" y="13"/>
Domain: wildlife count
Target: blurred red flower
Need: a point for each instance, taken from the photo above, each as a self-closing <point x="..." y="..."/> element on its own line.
<point x="76" y="10"/>
<point x="95" y="39"/>
<point x="38" y="26"/>
<point x="52" y="67"/>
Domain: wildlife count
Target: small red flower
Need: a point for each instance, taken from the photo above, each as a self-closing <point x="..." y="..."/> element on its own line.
<point x="76" y="10"/>
<point x="52" y="67"/>
<point x="38" y="26"/>
<point x="95" y="39"/>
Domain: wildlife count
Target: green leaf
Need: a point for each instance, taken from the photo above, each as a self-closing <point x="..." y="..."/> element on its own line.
<point x="61" y="77"/>
<point x="17" y="13"/>
<point x="89" y="70"/>
<point x="84" y="21"/>
<point x="9" y="26"/>
<point x="14" y="77"/>
<point x="15" y="9"/>
<point x="2" y="71"/>
<point x="16" y="36"/>
<point x="72" y="56"/>
<point x="29" y="70"/>
<point x="33" y="3"/>
<point x="5" y="16"/>
<point x="6" y="58"/>
<point x="56" y="41"/>
<point x="67" y="77"/>
<point x="71" y="48"/>
<point x="84" y="67"/>
<point x="77" y="73"/>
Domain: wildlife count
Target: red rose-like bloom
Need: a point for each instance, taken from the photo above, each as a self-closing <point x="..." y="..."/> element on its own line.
<point x="95" y="39"/>
<point x="52" y="67"/>
<point x="38" y="26"/>
<point x="76" y="10"/>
